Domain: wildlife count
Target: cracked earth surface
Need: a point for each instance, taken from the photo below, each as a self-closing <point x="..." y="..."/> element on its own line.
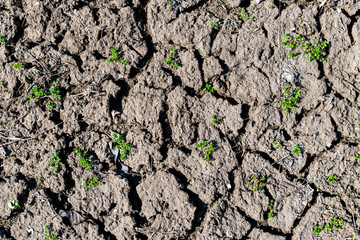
<point x="164" y="189"/>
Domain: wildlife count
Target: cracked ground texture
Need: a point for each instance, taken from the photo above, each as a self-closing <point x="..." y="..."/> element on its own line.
<point x="254" y="186"/>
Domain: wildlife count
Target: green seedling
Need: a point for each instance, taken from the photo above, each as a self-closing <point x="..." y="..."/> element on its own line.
<point x="318" y="228"/>
<point x="171" y="59"/>
<point x="257" y="183"/>
<point x="54" y="92"/>
<point x="275" y="144"/>
<point x="36" y="93"/>
<point x="335" y="224"/>
<point x="271" y="6"/>
<point x="297" y="150"/>
<point x="1" y="84"/>
<point x="292" y="43"/>
<point x="357" y="157"/>
<point x="84" y="162"/>
<point x="13" y="205"/>
<point x="17" y="65"/>
<point x="209" y="150"/>
<point x="359" y="125"/>
<point x="49" y="236"/>
<point x="244" y="15"/>
<point x="271" y="209"/>
<point x="116" y="57"/>
<point x="208" y="87"/>
<point x="291" y="99"/>
<point x="56" y="162"/>
<point x="94" y="182"/>
<point x="315" y="52"/>
<point x="120" y="144"/>
<point x="2" y="39"/>
<point x="170" y="3"/>
<point x="215" y="120"/>
<point x="214" y="25"/>
<point x="332" y="179"/>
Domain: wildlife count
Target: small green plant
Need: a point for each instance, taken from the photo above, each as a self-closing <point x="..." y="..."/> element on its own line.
<point x="84" y="162"/>
<point x="17" y="65"/>
<point x="257" y="183"/>
<point x="214" y="25"/>
<point x="271" y="6"/>
<point x="54" y="92"/>
<point x="335" y="223"/>
<point x="2" y="39"/>
<point x="116" y="57"/>
<point x="1" y="84"/>
<point x="244" y="15"/>
<point x="171" y="59"/>
<point x="215" y="120"/>
<point x="271" y="209"/>
<point x="318" y="228"/>
<point x="36" y="93"/>
<point x="315" y="52"/>
<point x="170" y="4"/>
<point x="359" y="125"/>
<point x="94" y="182"/>
<point x="297" y="150"/>
<point x="291" y="99"/>
<point x="120" y="144"/>
<point x="292" y="43"/>
<point x="332" y="179"/>
<point x="208" y="87"/>
<point x="49" y="236"/>
<point x="13" y="205"/>
<point x="56" y="162"/>
<point x="209" y="150"/>
<point x="275" y="144"/>
<point x="357" y="157"/>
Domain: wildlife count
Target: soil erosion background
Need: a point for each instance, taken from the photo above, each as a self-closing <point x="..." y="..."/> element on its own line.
<point x="271" y="175"/>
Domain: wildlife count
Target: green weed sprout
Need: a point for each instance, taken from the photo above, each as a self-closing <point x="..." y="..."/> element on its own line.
<point x="359" y="125"/>
<point x="170" y="3"/>
<point x="2" y="39"/>
<point x="214" y="25"/>
<point x="257" y="183"/>
<point x="36" y="93"/>
<point x="271" y="6"/>
<point x="209" y="151"/>
<point x="335" y="224"/>
<point x="332" y="179"/>
<point x="49" y="236"/>
<point x="94" y="182"/>
<point x="291" y="99"/>
<point x="13" y="205"/>
<point x="84" y="162"/>
<point x="292" y="42"/>
<point x="318" y="228"/>
<point x="54" y="92"/>
<point x="215" y="120"/>
<point x="245" y="15"/>
<point x="208" y="87"/>
<point x="297" y="150"/>
<point x="315" y="51"/>
<point x="171" y="59"/>
<point x="17" y="65"/>
<point x="272" y="211"/>
<point x="116" y="57"/>
<point x="275" y="144"/>
<point x="357" y="157"/>
<point x="120" y="144"/>
<point x="56" y="162"/>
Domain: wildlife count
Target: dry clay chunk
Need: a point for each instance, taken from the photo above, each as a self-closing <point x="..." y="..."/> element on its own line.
<point x="97" y="201"/>
<point x="165" y="206"/>
<point x="11" y="190"/>
<point x="223" y="220"/>
<point x="325" y="210"/>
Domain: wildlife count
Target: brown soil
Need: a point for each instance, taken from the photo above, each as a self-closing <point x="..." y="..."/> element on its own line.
<point x="164" y="189"/>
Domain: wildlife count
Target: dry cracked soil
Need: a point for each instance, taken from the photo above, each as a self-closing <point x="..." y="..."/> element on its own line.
<point x="269" y="174"/>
